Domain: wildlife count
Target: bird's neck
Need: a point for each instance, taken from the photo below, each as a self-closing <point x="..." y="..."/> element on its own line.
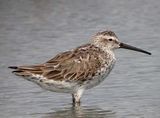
<point x="106" y="50"/>
<point x="111" y="53"/>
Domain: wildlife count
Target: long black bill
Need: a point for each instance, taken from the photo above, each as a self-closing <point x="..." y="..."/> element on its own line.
<point x="126" y="46"/>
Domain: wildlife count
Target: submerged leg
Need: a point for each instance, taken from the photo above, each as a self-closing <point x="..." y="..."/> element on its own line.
<point x="77" y="96"/>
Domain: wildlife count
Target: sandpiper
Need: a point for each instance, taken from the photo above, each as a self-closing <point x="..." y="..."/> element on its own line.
<point x="79" y="69"/>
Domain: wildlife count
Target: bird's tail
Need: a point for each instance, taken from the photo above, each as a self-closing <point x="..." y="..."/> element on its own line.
<point x="26" y="70"/>
<point x="18" y="71"/>
<point x="13" y="67"/>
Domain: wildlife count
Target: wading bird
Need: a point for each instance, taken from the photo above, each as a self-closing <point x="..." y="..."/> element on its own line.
<point x="79" y="69"/>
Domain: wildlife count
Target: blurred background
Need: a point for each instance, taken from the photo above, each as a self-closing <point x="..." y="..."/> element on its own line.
<point x="33" y="31"/>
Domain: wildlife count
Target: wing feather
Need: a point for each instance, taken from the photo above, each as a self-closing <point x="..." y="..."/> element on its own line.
<point x="75" y="65"/>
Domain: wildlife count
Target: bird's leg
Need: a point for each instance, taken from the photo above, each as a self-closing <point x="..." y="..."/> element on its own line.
<point x="77" y="96"/>
<point x="73" y="98"/>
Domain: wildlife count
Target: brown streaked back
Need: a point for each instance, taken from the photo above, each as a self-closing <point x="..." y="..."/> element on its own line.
<point x="79" y="64"/>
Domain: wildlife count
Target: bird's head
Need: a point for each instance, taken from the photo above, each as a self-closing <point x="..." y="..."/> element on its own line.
<point x="108" y="41"/>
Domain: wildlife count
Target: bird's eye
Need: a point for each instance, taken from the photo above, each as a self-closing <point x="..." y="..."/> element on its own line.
<point x="110" y="39"/>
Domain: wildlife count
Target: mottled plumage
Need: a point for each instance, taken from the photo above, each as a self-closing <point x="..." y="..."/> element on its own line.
<point x="74" y="71"/>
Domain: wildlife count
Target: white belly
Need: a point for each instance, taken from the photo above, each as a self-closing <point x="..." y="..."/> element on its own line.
<point x="55" y="86"/>
<point x="61" y="86"/>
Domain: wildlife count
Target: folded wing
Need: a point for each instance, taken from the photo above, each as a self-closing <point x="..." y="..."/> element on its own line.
<point x="79" y="64"/>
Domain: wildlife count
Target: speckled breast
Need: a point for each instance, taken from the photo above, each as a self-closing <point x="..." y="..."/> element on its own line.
<point x="101" y="74"/>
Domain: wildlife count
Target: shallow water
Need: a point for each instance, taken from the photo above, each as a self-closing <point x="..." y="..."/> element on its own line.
<point x="33" y="31"/>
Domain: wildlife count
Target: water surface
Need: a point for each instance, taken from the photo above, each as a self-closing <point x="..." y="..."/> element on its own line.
<point x="33" y="31"/>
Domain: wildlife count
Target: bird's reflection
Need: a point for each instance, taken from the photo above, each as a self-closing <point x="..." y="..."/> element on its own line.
<point x="81" y="112"/>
